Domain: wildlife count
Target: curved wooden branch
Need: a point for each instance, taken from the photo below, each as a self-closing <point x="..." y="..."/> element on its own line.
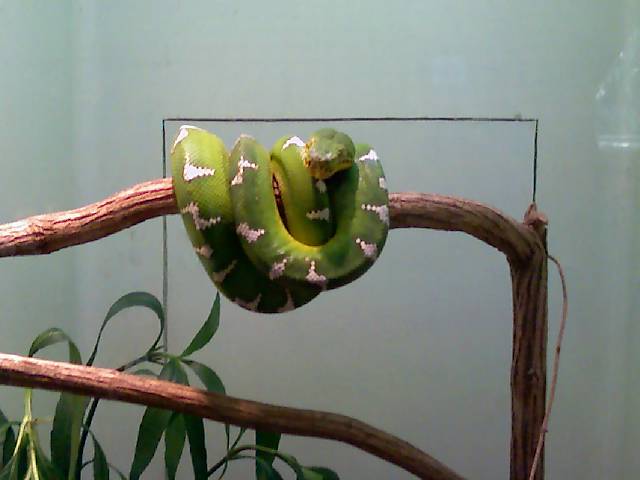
<point x="50" y="232"/>
<point x="114" y="385"/>
<point x="524" y="245"/>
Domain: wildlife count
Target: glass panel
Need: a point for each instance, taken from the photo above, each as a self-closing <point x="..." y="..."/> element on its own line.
<point x="432" y="317"/>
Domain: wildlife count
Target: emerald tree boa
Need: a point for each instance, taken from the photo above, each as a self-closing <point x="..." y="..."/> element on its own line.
<point x="275" y="228"/>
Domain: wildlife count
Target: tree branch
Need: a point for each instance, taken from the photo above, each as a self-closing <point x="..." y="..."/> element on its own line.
<point x="114" y="385"/>
<point x="524" y="245"/>
<point x="47" y="233"/>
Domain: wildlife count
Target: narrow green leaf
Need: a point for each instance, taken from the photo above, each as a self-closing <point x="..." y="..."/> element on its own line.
<point x="308" y="474"/>
<point x="207" y="376"/>
<point x="195" y="433"/>
<point x="46" y="469"/>
<point x="174" y="438"/>
<point x="207" y="331"/>
<point x="100" y="465"/>
<point x="5" y="473"/>
<point x="153" y="424"/>
<point x="86" y="430"/>
<point x="66" y="430"/>
<point x="51" y="337"/>
<point x="118" y="472"/>
<point x="293" y="463"/>
<point x="267" y="470"/>
<point x="133" y="299"/>
<point x="174" y="372"/>
<point x="8" y="440"/>
<point x="145" y="371"/>
<point x="3" y="430"/>
<point x="211" y="382"/>
<point x="269" y="440"/>
<point x="229" y="447"/>
<point x="19" y="469"/>
<point x="319" y="473"/>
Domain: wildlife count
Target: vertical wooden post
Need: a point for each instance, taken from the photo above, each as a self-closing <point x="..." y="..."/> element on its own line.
<point x="529" y="360"/>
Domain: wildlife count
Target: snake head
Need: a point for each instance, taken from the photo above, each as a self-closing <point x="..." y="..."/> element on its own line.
<point x="327" y="152"/>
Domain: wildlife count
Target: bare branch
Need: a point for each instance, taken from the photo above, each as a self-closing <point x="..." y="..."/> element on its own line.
<point x="50" y="232"/>
<point x="114" y="385"/>
<point x="556" y="368"/>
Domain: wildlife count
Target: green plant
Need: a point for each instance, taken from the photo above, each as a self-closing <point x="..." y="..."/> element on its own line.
<point x="22" y="456"/>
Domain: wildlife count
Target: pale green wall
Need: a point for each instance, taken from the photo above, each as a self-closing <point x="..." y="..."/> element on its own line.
<point x="38" y="175"/>
<point x="421" y="345"/>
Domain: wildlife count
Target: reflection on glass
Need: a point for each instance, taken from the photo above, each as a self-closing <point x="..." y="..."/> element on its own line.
<point x="617" y="100"/>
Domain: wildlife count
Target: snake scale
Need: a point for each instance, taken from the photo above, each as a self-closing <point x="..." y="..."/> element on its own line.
<point x="275" y="228"/>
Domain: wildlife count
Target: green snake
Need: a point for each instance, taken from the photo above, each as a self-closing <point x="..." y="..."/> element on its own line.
<point x="274" y="229"/>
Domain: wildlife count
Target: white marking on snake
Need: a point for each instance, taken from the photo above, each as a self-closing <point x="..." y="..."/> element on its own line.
<point x="204" y="250"/>
<point x="314" y="277"/>
<point x="182" y="134"/>
<point x="200" y="223"/>
<point x="321" y="186"/>
<point x="287" y="307"/>
<point x="191" y="171"/>
<point x="318" y="214"/>
<point x="242" y="164"/>
<point x="249" y="234"/>
<point x="370" y="155"/>
<point x="218" y="277"/>
<point x="277" y="269"/>
<point x="383" y="183"/>
<point x="370" y="250"/>
<point x="381" y="210"/>
<point x="251" y="305"/>
<point x="297" y="141"/>
<point x="243" y="136"/>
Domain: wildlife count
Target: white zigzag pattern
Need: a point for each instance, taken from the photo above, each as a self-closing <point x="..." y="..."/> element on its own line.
<point x="315" y="277"/>
<point x="242" y="164"/>
<point x="370" y="250"/>
<point x="297" y="141"/>
<point x="191" y="171"/>
<point x="381" y="210"/>
<point x="370" y="155"/>
<point x="277" y="269"/>
<point x="200" y="223"/>
<point x="250" y="234"/>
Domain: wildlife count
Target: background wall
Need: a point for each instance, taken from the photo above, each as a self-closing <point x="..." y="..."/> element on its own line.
<point x="421" y="345"/>
<point x="38" y="173"/>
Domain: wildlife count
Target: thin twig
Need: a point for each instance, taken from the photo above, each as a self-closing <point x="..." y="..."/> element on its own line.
<point x="556" y="367"/>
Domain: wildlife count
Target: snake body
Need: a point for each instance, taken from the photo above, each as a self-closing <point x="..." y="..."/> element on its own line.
<point x="324" y="226"/>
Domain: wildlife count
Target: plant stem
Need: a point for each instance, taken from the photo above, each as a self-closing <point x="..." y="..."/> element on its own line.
<point x="147" y="357"/>
<point x="233" y="453"/>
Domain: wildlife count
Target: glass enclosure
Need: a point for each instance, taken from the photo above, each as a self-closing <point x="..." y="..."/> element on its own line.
<point x="421" y="345"/>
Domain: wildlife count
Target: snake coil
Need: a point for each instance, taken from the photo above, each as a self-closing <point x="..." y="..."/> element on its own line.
<point x="272" y="252"/>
